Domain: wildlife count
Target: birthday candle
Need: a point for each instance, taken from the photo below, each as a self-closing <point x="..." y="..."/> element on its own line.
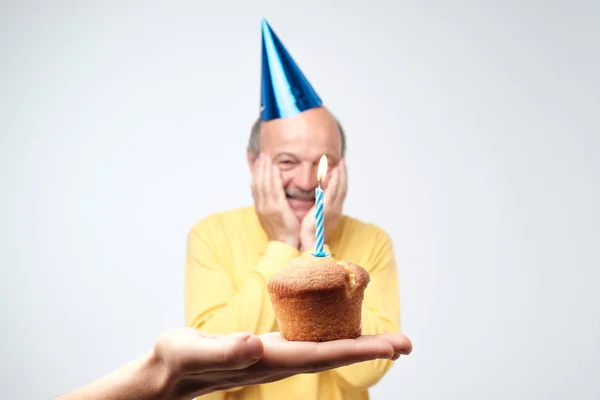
<point x="320" y="220"/>
<point x="320" y="209"/>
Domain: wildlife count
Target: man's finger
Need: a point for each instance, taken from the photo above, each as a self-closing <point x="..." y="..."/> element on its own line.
<point x="332" y="188"/>
<point x="267" y="184"/>
<point x="258" y="179"/>
<point x="340" y="187"/>
<point x="343" y="181"/>
<point x="253" y="183"/>
<point x="277" y="185"/>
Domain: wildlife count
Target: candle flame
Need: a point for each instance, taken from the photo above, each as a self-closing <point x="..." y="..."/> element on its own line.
<point x="322" y="171"/>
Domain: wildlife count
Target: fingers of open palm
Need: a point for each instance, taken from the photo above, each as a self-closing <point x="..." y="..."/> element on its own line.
<point x="400" y="343"/>
<point x="301" y="357"/>
<point x="198" y="353"/>
<point x="283" y="358"/>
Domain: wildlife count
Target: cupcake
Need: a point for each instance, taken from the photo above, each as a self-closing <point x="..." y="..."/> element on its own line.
<point x="318" y="299"/>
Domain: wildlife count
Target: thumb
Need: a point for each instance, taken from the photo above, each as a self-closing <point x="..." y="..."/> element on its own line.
<point x="223" y="353"/>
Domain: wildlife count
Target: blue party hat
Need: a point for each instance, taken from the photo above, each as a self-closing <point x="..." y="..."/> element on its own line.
<point x="285" y="90"/>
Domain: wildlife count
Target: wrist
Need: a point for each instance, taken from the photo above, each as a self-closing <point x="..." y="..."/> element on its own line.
<point x="158" y="379"/>
<point x="291" y="241"/>
<point x="308" y="244"/>
<point x="143" y="379"/>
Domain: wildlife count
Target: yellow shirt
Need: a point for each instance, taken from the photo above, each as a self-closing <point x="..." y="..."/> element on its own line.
<point x="229" y="262"/>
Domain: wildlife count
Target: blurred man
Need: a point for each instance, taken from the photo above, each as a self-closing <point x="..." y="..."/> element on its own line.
<point x="232" y="254"/>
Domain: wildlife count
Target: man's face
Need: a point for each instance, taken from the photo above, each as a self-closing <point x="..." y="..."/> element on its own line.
<point x="296" y="144"/>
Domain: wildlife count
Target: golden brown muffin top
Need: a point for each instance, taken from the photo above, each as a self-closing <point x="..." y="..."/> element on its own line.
<point x="309" y="274"/>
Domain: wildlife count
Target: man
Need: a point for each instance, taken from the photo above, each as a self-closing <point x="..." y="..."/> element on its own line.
<point x="232" y="255"/>
<point x="185" y="363"/>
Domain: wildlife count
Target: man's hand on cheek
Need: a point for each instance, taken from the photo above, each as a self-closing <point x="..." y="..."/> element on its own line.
<point x="274" y="213"/>
<point x="335" y="195"/>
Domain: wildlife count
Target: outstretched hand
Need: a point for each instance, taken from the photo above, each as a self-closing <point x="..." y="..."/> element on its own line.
<point x="197" y="364"/>
<point x="186" y="363"/>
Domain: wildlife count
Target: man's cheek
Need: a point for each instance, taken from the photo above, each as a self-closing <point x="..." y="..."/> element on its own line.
<point x="286" y="178"/>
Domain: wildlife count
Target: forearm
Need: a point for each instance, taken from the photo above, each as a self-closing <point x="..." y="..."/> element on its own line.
<point x="142" y="379"/>
<point x="366" y="374"/>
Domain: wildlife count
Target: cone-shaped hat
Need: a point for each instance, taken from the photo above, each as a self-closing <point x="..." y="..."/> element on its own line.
<point x="285" y="91"/>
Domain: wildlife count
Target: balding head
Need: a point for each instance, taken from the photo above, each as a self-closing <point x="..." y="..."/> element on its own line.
<point x="254" y="142"/>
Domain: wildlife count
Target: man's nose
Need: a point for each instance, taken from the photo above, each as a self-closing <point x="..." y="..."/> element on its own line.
<point x="306" y="179"/>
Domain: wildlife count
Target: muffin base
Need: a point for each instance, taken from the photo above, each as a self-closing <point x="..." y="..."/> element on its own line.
<point x="319" y="317"/>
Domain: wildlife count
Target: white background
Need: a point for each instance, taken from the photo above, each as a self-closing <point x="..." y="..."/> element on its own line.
<point x="473" y="138"/>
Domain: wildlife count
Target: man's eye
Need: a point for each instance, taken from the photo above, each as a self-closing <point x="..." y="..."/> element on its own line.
<point x="285" y="165"/>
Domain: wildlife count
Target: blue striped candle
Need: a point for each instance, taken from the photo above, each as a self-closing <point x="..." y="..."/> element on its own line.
<point x="320" y="211"/>
<point x="320" y="217"/>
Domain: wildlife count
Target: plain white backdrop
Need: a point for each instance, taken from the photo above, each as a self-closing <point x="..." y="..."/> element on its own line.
<point x="473" y="139"/>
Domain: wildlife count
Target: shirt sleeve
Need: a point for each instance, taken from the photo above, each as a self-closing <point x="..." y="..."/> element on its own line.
<point x="212" y="302"/>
